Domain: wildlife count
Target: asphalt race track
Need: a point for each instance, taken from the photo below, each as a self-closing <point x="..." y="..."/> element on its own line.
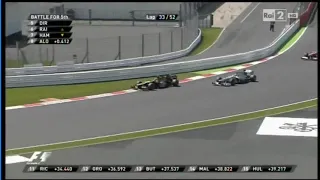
<point x="234" y="144"/>
<point x="245" y="33"/>
<point x="283" y="80"/>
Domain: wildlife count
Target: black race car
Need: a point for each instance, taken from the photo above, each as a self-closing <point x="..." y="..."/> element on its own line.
<point x="165" y="81"/>
<point x="145" y="86"/>
<point x="243" y="77"/>
<point x="160" y="82"/>
<point x="310" y="56"/>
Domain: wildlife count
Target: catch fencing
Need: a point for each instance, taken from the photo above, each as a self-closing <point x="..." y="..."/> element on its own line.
<point x="99" y="46"/>
<point x="146" y="71"/>
<point x="86" y="50"/>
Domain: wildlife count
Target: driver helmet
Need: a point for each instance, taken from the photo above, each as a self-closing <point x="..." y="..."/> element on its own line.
<point x="219" y="78"/>
<point x="247" y="70"/>
<point x="139" y="82"/>
<point x="173" y="75"/>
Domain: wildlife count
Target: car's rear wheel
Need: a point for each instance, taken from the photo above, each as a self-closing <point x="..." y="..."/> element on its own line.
<point x="162" y="84"/>
<point x="151" y="86"/>
<point x="175" y="82"/>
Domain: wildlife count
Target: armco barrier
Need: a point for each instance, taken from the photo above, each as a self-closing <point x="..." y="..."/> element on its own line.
<point x="104" y="65"/>
<point x="144" y="71"/>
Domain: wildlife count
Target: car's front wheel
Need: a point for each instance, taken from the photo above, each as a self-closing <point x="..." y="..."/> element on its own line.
<point x="233" y="82"/>
<point x="151" y="86"/>
<point x="254" y="78"/>
<point x="162" y="84"/>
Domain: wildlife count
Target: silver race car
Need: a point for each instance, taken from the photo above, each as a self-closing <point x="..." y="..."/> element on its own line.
<point x="243" y="77"/>
<point x="227" y="81"/>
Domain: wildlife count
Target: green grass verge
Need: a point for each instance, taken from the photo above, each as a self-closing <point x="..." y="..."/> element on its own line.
<point x="209" y="36"/>
<point x="14" y="64"/>
<point x="18" y="96"/>
<point x="166" y="130"/>
<point x="293" y="40"/>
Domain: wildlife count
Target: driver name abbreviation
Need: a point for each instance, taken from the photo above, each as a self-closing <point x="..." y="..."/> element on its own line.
<point x="50" y="29"/>
<point x="50" y="35"/>
<point x="49" y="23"/>
<point x="43" y="35"/>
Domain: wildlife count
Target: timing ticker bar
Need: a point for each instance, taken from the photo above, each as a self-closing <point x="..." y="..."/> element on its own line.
<point x="160" y="168"/>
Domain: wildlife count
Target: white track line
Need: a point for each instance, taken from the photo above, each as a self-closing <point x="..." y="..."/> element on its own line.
<point x="213" y="42"/>
<point x="249" y="13"/>
<point x="294" y="41"/>
<point x="177" y="125"/>
<point x="16" y="159"/>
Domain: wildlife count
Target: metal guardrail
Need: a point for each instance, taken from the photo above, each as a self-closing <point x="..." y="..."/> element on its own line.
<point x="145" y="71"/>
<point x="103" y="65"/>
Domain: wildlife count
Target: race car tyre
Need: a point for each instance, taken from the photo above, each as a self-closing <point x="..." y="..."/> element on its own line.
<point x="175" y="82"/>
<point x="236" y="81"/>
<point x="151" y="86"/>
<point x="162" y="84"/>
<point x="233" y="82"/>
<point x="227" y="84"/>
<point x="254" y="78"/>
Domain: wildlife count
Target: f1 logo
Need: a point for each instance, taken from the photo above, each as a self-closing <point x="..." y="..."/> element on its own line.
<point x="39" y="157"/>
